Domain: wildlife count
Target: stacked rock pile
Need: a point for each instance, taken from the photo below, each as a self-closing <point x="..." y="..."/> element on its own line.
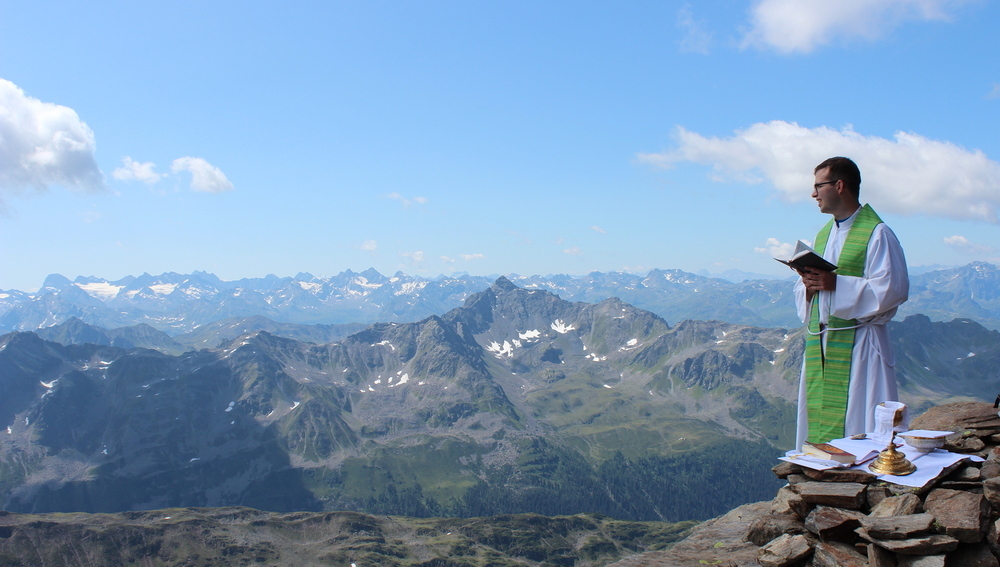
<point x="843" y="518"/>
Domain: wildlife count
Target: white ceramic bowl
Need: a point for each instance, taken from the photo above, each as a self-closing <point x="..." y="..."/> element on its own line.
<point x="923" y="444"/>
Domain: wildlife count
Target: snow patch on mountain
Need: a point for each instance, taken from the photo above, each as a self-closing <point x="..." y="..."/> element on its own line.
<point x="100" y="290"/>
<point x="560" y="327"/>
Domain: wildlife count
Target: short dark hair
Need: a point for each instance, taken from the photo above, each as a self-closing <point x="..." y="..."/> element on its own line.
<point x="845" y="170"/>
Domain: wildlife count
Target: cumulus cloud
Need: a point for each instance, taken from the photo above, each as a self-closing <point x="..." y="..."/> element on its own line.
<point x="909" y="174"/>
<point x="407" y="202"/>
<point x="800" y="26"/>
<point x="598" y="229"/>
<point x="964" y="245"/>
<point x="776" y="248"/>
<point x="44" y="144"/>
<point x="204" y="176"/>
<point x="447" y="259"/>
<point x="574" y="251"/>
<point x="696" y="39"/>
<point x="468" y="257"/>
<point x="135" y="171"/>
<point x="369" y="246"/>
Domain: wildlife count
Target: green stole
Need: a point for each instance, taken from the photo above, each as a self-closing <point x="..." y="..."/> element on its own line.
<point x="828" y="374"/>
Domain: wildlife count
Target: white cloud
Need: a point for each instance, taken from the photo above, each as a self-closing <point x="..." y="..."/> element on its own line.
<point x="204" y="176"/>
<point x="598" y="229"/>
<point x="790" y="26"/>
<point x="910" y="174"/>
<point x="574" y="251"/>
<point x="696" y="39"/>
<point x="416" y="258"/>
<point x="776" y="248"/>
<point x="407" y="202"/>
<point x="44" y="144"/>
<point x="447" y="259"/>
<point x="468" y="257"/>
<point x="135" y="171"/>
<point x="369" y="246"/>
<point x="963" y="244"/>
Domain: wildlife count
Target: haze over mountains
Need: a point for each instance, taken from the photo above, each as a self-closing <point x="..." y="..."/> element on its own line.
<point x="497" y="406"/>
<point x="179" y="303"/>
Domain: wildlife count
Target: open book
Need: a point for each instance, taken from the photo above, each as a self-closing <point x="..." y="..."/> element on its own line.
<point x="806" y="257"/>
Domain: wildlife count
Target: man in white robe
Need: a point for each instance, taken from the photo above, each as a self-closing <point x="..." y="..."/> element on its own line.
<point x="871" y="299"/>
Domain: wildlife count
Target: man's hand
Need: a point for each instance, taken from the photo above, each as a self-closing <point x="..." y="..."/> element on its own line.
<point x="817" y="280"/>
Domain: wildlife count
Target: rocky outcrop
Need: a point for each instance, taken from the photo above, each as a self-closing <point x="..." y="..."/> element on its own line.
<point x="842" y="518"/>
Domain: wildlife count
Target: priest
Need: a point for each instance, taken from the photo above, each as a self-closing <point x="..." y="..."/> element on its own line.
<point x="849" y="367"/>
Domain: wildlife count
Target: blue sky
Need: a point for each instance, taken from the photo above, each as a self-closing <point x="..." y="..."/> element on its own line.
<point x="485" y="137"/>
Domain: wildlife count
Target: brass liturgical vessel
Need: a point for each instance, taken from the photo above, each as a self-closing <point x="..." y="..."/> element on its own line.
<point x="891" y="461"/>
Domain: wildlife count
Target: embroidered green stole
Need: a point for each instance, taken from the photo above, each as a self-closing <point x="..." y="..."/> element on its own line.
<point x="828" y="374"/>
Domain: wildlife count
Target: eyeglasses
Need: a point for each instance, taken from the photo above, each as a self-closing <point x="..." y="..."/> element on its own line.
<point x="818" y="185"/>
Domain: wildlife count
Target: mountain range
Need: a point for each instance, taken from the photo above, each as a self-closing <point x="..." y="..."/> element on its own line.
<point x="180" y="303"/>
<point x="494" y="407"/>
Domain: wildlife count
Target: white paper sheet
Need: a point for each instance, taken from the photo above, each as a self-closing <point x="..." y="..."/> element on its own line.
<point x="929" y="464"/>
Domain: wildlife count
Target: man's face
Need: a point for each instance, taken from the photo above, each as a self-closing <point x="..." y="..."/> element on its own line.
<point x="826" y="192"/>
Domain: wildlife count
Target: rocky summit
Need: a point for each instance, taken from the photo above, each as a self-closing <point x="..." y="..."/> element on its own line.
<point x="850" y="519"/>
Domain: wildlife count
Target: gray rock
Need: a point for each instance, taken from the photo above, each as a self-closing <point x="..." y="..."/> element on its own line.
<point x="993" y="537"/>
<point x="990" y="469"/>
<point x="924" y="545"/>
<point x="898" y="527"/>
<point x="959" y="416"/>
<point x="963" y="515"/>
<point x="878" y="557"/>
<point x="788" y="501"/>
<point x="849" y="495"/>
<point x="784" y="468"/>
<point x="973" y="555"/>
<point x="991" y="490"/>
<point x="876" y="494"/>
<point x="797" y="478"/>
<point x="784" y="551"/>
<point x="921" y="561"/>
<point x="965" y="445"/>
<point x="833" y="524"/>
<point x="897" y="506"/>
<point x="968" y="473"/>
<point x="841" y="475"/>
<point x="837" y="554"/>
<point x="768" y="527"/>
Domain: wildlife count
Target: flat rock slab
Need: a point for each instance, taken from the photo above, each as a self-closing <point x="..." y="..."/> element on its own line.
<point x="991" y="490"/>
<point x="765" y="528"/>
<point x="788" y="501"/>
<point x="878" y="557"/>
<point x="786" y="550"/>
<point x="959" y="416"/>
<point x="926" y="561"/>
<point x="784" y="468"/>
<point x="716" y="542"/>
<point x="925" y="545"/>
<point x="964" y="515"/>
<point x="837" y="554"/>
<point x="840" y="475"/>
<point x="849" y="495"/>
<point x="973" y="555"/>
<point x="833" y="524"/>
<point x="898" y="527"/>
